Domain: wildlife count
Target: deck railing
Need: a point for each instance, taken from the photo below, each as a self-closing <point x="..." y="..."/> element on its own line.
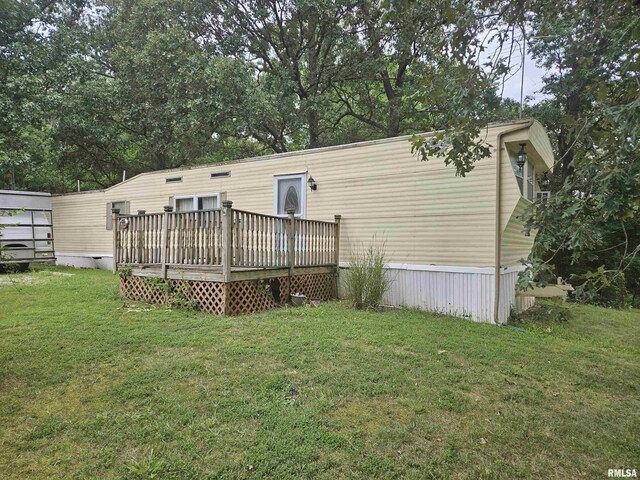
<point x="224" y="237"/>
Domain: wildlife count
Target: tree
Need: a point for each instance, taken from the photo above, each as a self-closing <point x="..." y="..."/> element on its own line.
<point x="293" y="47"/>
<point x="590" y="228"/>
<point x="461" y="93"/>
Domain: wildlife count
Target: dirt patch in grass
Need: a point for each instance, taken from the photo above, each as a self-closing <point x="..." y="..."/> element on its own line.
<point x="370" y="415"/>
<point x="38" y="277"/>
<point x="544" y="312"/>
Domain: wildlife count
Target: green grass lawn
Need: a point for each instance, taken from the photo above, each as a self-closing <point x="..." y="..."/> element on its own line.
<point x="92" y="386"/>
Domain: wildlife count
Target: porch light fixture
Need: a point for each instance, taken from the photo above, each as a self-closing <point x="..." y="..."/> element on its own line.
<point x="312" y="184"/>
<point x="545" y="183"/>
<point x="522" y="156"/>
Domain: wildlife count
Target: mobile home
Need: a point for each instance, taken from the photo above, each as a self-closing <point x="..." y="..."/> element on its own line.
<point x="453" y="243"/>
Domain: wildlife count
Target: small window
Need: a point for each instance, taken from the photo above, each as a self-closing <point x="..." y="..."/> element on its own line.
<point x="173" y="179"/>
<point x="289" y="194"/>
<point x="184" y="204"/>
<point x="207" y="203"/>
<point x="220" y="174"/>
<point x="531" y="175"/>
<point x="191" y="203"/>
<point x="121" y="205"/>
<point x="528" y="172"/>
<point x="519" y="171"/>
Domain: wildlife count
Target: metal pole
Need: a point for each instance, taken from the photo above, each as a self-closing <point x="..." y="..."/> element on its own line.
<point x="524" y="52"/>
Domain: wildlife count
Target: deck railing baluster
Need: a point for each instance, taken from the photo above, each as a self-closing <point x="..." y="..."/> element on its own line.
<point x="211" y="237"/>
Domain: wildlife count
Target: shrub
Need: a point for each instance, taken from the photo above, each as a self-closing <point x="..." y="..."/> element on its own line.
<point x="366" y="279"/>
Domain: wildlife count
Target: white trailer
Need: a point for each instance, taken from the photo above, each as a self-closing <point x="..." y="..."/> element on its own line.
<point x="26" y="229"/>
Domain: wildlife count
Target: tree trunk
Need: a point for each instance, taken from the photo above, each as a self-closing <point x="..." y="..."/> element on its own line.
<point x="314" y="128"/>
<point x="313" y="82"/>
<point x="393" y="119"/>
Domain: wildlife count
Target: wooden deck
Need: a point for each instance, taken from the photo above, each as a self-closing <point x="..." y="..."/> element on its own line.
<point x="227" y="261"/>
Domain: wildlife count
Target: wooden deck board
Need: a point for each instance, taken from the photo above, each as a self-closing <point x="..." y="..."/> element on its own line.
<point x="214" y="273"/>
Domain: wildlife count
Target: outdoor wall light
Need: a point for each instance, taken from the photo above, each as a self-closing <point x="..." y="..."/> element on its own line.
<point x="312" y="184"/>
<point x="545" y="183"/>
<point x="522" y="156"/>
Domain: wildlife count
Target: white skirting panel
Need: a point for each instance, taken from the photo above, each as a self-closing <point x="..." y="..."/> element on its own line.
<point x="84" y="261"/>
<point x="508" y="301"/>
<point x="467" y="295"/>
<point x="524" y="303"/>
<point x="463" y="292"/>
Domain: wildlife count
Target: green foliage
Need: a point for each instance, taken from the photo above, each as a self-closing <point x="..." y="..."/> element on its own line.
<point x="366" y="278"/>
<point x="104" y="87"/>
<point x="608" y="289"/>
<point x="180" y="297"/>
<point x="124" y="270"/>
<point x="159" y="284"/>
<point x="589" y="229"/>
<point x="537" y="272"/>
<point x="460" y="148"/>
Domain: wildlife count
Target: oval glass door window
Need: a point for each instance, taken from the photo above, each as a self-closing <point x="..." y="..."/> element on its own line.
<point x="289" y="194"/>
<point x="291" y="201"/>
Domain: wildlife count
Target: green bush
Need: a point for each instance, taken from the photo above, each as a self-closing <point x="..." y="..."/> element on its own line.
<point x="366" y="279"/>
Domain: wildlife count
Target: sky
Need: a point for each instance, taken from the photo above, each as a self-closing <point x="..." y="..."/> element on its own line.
<point x="532" y="82"/>
<point x="532" y="74"/>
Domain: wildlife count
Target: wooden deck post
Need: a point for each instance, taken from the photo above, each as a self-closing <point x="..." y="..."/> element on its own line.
<point x="226" y="253"/>
<point x="336" y="249"/>
<point x="137" y="226"/>
<point x="227" y="240"/>
<point x="164" y="240"/>
<point x="291" y="244"/>
<point x="114" y="227"/>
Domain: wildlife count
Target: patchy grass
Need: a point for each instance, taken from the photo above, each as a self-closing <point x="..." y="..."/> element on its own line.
<point x="94" y="387"/>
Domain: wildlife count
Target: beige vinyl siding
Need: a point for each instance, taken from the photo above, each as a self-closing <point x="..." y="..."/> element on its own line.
<point x="423" y="211"/>
<point x="538" y="146"/>
<point x="510" y="194"/>
<point x="541" y="145"/>
<point x="79" y="223"/>
<point x="515" y="245"/>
